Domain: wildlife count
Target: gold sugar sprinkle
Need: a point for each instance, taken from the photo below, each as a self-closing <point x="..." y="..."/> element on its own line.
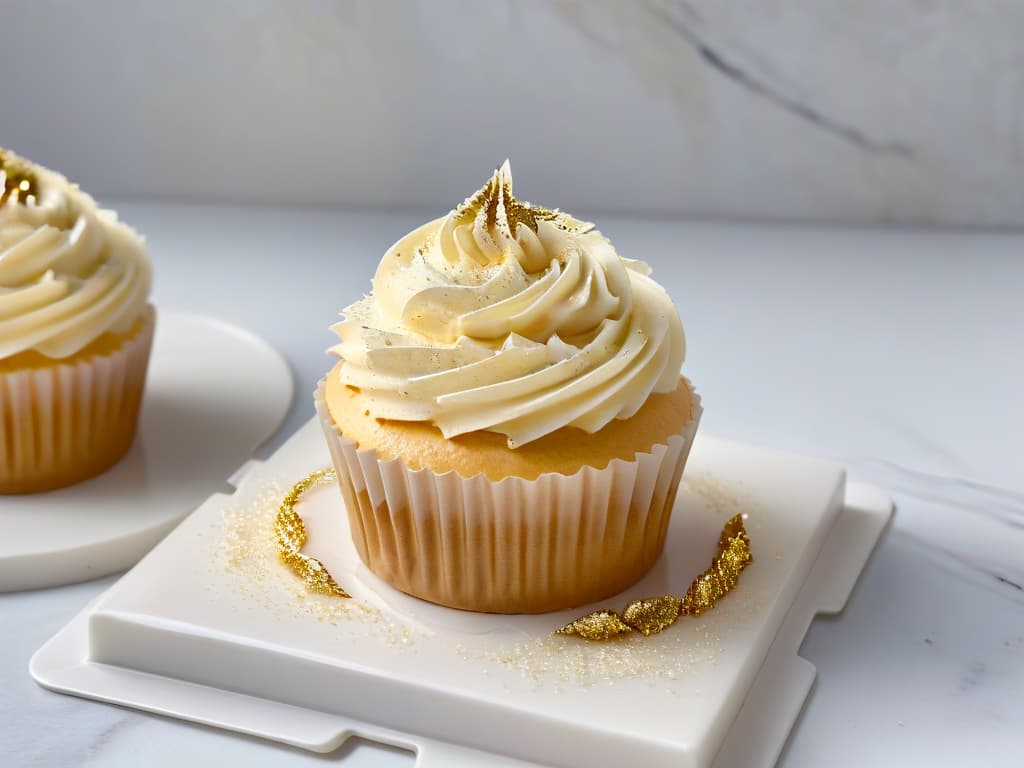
<point x="19" y="180"/>
<point x="556" y="663"/>
<point x="259" y="583"/>
<point x="720" y="496"/>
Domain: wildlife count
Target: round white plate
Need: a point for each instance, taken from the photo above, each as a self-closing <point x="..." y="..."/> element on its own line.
<point x="215" y="392"/>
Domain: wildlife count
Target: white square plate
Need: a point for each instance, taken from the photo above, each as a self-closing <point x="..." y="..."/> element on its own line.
<point x="210" y="628"/>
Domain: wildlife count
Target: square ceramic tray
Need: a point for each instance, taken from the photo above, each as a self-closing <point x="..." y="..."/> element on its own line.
<point x="209" y="627"/>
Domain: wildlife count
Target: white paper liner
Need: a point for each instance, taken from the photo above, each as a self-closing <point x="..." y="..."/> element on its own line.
<point x="515" y="545"/>
<point x="62" y="423"/>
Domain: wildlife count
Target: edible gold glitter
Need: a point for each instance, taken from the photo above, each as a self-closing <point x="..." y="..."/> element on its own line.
<point x="258" y="583"/>
<point x="499" y="189"/>
<point x="555" y="663"/>
<point x="19" y="181"/>
<point x="721" y="496"/>
<point x="651" y="615"/>
<point x="290" y="534"/>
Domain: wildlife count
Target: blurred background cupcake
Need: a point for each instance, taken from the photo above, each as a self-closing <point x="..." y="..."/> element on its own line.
<point x="75" y="330"/>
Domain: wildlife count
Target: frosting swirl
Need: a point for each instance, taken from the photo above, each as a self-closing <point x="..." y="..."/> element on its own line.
<point x="508" y="317"/>
<point x="69" y="272"/>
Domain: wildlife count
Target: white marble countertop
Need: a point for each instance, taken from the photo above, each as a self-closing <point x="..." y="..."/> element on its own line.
<point x="895" y="353"/>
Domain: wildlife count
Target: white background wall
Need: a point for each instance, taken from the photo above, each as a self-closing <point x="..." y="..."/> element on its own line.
<point x="879" y="111"/>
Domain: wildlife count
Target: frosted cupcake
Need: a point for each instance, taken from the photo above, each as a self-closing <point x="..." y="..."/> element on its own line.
<point x="507" y="420"/>
<point x="75" y="331"/>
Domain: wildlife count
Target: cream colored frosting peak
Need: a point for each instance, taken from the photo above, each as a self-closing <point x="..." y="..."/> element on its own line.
<point x="69" y="272"/>
<point x="508" y="317"/>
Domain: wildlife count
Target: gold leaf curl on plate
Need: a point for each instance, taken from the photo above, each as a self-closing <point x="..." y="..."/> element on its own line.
<point x="651" y="615"/>
<point x="290" y="533"/>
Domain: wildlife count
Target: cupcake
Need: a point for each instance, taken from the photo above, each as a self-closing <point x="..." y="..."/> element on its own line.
<point x="75" y="331"/>
<point x="507" y="420"/>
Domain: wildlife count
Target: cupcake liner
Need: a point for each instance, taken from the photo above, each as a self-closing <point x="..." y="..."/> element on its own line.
<point x="65" y="422"/>
<point x="513" y="545"/>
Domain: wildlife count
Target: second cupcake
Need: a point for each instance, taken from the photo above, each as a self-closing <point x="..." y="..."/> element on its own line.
<point x="75" y="331"/>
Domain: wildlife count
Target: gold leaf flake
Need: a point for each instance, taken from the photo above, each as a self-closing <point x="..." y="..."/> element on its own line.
<point x="290" y="533"/>
<point x="599" y="625"/>
<point x="652" y="614"/>
<point x="723" y="575"/>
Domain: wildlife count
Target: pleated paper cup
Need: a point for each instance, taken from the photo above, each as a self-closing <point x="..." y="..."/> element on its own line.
<point x="512" y="545"/>
<point x="68" y="420"/>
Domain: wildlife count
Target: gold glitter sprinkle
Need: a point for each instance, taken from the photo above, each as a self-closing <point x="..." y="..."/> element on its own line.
<point x="290" y="533"/>
<point x="19" y="181"/>
<point x="556" y="663"/>
<point x="258" y="583"/>
<point x="651" y="615"/>
<point x="498" y="190"/>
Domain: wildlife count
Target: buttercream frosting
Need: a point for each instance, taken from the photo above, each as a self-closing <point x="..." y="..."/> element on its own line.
<point x="509" y="317"/>
<point x="69" y="271"/>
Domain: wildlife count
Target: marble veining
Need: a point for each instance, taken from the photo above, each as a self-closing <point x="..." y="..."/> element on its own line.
<point x="975" y="526"/>
<point x="686" y="21"/>
<point x="861" y="112"/>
